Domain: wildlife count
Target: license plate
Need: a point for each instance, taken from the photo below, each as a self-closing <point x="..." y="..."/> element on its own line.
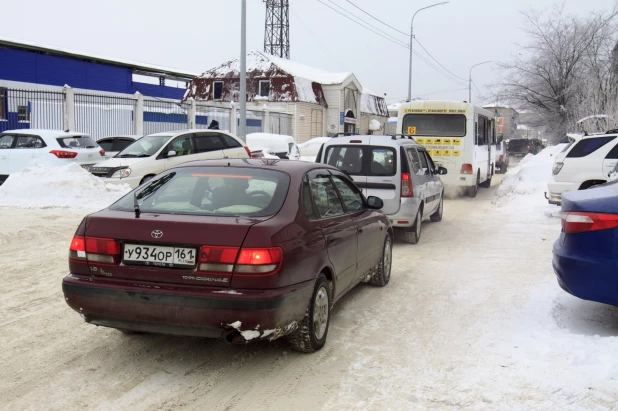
<point x="159" y="255"/>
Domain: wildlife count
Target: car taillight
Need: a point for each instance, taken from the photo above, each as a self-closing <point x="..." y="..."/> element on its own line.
<point x="501" y="158"/>
<point x="63" y="153"/>
<point x="258" y="260"/>
<point x="102" y="152"/>
<point x="97" y="250"/>
<point x="557" y="167"/>
<point x="406" y="185"/>
<point x="217" y="259"/>
<point x="528" y="148"/>
<point x="466" y="169"/>
<point x="248" y="151"/>
<point x="585" y="222"/>
<point x="228" y="260"/>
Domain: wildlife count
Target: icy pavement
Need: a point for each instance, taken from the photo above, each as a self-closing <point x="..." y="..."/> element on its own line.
<point x="473" y="318"/>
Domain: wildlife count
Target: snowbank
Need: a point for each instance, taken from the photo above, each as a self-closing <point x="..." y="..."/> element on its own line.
<point x="67" y="186"/>
<point x="531" y="175"/>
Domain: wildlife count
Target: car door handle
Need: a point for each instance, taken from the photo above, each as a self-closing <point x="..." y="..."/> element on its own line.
<point x="360" y="230"/>
<point x="330" y="240"/>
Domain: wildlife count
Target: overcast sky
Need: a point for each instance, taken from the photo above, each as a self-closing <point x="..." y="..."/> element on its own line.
<point x="197" y="35"/>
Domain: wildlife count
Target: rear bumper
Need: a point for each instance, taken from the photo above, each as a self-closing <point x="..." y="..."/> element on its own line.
<point x="202" y="311"/>
<point x="458" y="180"/>
<point x="586" y="279"/>
<point x="406" y="214"/>
<point x="556" y="189"/>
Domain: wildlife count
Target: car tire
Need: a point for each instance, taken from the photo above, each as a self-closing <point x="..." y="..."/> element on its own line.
<point x="473" y="191"/>
<point x="311" y="333"/>
<point x="437" y="216"/>
<point x="383" y="275"/>
<point x="412" y="235"/>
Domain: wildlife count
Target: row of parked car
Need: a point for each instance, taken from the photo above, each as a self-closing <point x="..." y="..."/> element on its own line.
<point x="235" y="247"/>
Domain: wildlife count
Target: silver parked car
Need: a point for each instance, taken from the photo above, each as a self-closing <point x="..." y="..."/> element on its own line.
<point x="395" y="169"/>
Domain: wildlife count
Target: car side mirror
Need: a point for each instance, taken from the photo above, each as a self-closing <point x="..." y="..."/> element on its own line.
<point x="375" y="203"/>
<point x="442" y="171"/>
<point x="171" y="153"/>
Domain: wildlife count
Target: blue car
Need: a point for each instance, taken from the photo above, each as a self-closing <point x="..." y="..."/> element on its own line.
<point x="586" y="254"/>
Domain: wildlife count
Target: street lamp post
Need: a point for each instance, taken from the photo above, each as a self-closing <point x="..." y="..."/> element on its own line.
<point x="242" y="131"/>
<point x="412" y="46"/>
<point x="470" y="80"/>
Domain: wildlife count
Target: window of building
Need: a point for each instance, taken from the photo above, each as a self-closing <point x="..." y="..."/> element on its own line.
<point x="2" y="104"/>
<point x="217" y="90"/>
<point x="264" y="88"/>
<point x="23" y="114"/>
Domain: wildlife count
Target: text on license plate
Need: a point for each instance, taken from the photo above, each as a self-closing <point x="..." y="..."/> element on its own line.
<point x="158" y="255"/>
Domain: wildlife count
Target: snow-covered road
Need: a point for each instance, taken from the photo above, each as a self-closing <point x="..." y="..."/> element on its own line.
<point x="472" y="318"/>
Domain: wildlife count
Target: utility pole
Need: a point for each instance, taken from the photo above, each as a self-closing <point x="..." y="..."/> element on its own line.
<point x="242" y="98"/>
<point x="277" y="28"/>
<point x="412" y="47"/>
<point x="470" y="80"/>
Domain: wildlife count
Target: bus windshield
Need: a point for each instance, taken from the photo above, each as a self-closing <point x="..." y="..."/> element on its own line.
<point x="435" y="125"/>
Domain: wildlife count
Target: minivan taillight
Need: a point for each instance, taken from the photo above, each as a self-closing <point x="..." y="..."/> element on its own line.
<point x="63" y="153"/>
<point x="573" y="223"/>
<point x="248" y="151"/>
<point x="466" y="169"/>
<point x="93" y="249"/>
<point x="407" y="189"/>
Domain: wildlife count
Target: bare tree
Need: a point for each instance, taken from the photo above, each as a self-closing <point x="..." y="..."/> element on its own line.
<point x="566" y="64"/>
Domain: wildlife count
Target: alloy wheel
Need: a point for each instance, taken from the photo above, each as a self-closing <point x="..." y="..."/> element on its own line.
<point x="320" y="313"/>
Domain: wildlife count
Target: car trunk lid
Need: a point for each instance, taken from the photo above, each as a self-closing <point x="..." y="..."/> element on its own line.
<point x="145" y="245"/>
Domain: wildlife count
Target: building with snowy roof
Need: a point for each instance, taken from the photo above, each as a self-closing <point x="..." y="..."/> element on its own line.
<point x="321" y="103"/>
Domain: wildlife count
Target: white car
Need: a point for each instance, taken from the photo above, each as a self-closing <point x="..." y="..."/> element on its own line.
<point x="309" y="150"/>
<point x="115" y="144"/>
<point x="27" y="148"/>
<point x="583" y="164"/>
<point x="284" y="147"/>
<point x="155" y="153"/>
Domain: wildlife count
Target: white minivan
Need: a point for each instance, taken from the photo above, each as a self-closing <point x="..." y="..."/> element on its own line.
<point x="29" y="147"/>
<point x="155" y="153"/>
<point x="397" y="170"/>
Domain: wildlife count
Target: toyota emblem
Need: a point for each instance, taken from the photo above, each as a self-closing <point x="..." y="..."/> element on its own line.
<point x="157" y="234"/>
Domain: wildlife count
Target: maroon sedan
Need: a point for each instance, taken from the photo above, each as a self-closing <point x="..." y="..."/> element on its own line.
<point x="242" y="250"/>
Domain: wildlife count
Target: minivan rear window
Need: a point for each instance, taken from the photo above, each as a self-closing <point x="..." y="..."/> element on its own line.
<point x="363" y="160"/>
<point x="588" y="146"/>
<point x="220" y="191"/>
<point x="76" y="142"/>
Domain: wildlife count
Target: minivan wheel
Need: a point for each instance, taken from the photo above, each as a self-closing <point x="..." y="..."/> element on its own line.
<point x="311" y="333"/>
<point x="383" y="275"/>
<point x="412" y="235"/>
<point x="437" y="216"/>
<point x="473" y="191"/>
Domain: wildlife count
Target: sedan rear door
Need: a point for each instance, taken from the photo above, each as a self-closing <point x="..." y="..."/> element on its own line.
<point x="6" y="144"/>
<point x="233" y="148"/>
<point x="209" y="146"/>
<point x="26" y="152"/>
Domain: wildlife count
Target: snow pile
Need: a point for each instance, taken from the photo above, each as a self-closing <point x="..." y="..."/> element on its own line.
<point x="531" y="175"/>
<point x="67" y="186"/>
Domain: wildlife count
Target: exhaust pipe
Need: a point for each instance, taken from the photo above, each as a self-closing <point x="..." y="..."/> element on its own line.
<point x="233" y="337"/>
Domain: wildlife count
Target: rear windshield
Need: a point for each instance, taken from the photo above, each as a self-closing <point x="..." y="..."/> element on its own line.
<point x="588" y="146"/>
<point x="436" y="125"/>
<point x="363" y="160"/>
<point x="519" y="144"/>
<point x="144" y="147"/>
<point x="76" y="142"/>
<point x="221" y="191"/>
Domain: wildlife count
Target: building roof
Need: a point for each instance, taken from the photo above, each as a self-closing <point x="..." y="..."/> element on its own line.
<point x="259" y="61"/>
<point x="372" y="103"/>
<point x="148" y="69"/>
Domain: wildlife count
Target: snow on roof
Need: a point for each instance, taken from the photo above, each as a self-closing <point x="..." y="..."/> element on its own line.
<point x="373" y="104"/>
<point x="259" y="61"/>
<point x="7" y="41"/>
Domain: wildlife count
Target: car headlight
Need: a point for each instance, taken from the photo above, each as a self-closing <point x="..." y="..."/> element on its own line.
<point x="557" y="168"/>
<point x="124" y="173"/>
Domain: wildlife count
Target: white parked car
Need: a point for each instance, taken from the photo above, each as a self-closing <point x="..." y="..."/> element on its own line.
<point x="309" y="150"/>
<point x="284" y="147"/>
<point x="115" y="144"/>
<point x="583" y="164"/>
<point x="27" y="148"/>
<point x="155" y="153"/>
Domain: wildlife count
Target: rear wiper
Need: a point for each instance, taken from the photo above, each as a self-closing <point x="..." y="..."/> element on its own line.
<point x="136" y="205"/>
